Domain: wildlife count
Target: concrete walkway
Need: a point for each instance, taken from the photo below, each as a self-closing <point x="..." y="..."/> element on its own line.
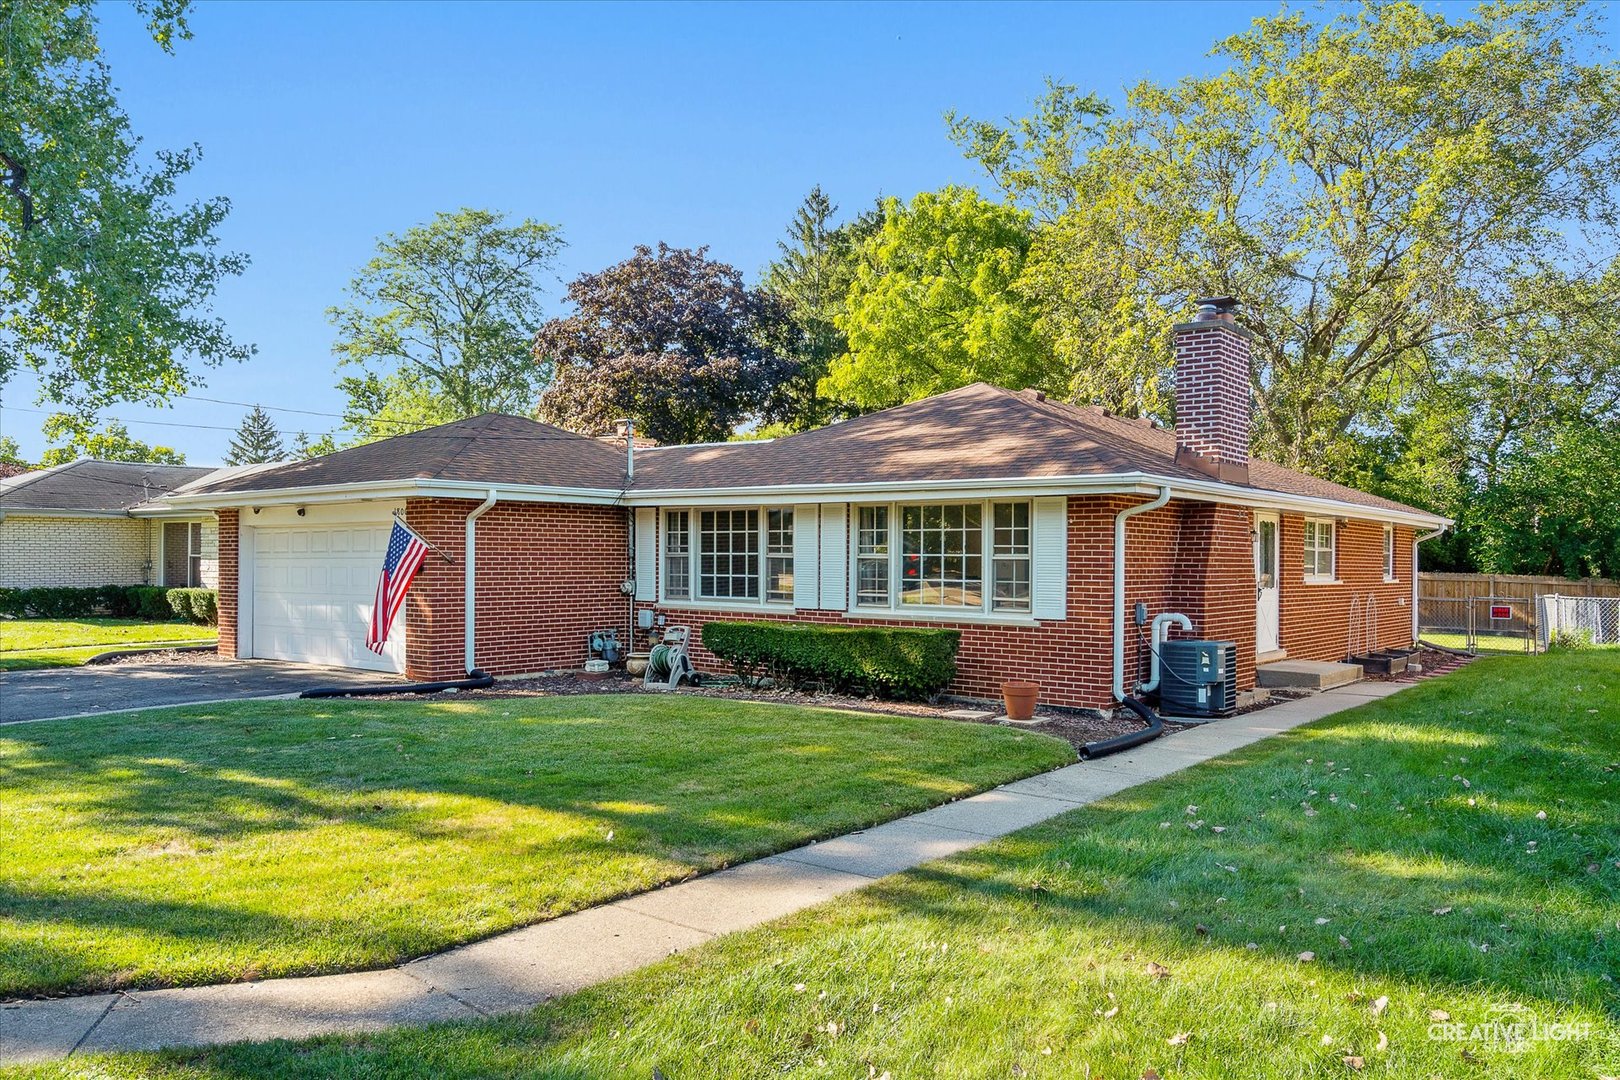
<point x="520" y="969"/>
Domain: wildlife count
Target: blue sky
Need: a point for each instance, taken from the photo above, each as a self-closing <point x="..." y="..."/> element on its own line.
<point x="329" y="125"/>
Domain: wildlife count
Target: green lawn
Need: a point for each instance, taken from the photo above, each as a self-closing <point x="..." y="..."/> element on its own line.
<point x="1484" y="643"/>
<point x="266" y="838"/>
<point x="41" y="643"/>
<point x="1345" y="886"/>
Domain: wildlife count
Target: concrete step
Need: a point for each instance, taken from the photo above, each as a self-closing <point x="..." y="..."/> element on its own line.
<point x="1306" y="675"/>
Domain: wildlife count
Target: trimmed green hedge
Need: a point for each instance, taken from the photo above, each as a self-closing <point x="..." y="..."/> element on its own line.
<point x="199" y="605"/>
<point x="151" y="602"/>
<point x="895" y="662"/>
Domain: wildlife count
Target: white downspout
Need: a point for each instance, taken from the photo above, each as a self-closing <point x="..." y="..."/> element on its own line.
<point x="1415" y="542"/>
<point x="470" y="572"/>
<point x="1119" y="584"/>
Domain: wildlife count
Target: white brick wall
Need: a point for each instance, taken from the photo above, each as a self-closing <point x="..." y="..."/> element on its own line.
<point x="36" y="551"/>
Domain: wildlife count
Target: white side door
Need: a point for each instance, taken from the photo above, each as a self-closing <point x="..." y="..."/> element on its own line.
<point x="1267" y="605"/>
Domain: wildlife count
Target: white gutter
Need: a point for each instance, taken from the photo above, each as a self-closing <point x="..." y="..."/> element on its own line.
<point x="1416" y="540"/>
<point x="469" y="558"/>
<point x="1132" y="483"/>
<point x="1119" y="584"/>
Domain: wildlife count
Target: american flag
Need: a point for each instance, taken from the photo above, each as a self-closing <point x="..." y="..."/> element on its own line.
<point x="406" y="551"/>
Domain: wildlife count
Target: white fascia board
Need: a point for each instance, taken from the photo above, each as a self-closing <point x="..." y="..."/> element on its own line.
<point x="1135" y="483"/>
<point x="1024" y="486"/>
<point x="49" y="512"/>
<point x="393" y="489"/>
<point x="1261" y="499"/>
<point x="1003" y="487"/>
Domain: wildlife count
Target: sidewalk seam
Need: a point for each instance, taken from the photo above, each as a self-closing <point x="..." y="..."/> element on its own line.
<point x="93" y="1025"/>
<point x="408" y="973"/>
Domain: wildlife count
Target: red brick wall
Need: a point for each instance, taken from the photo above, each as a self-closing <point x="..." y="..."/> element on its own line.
<point x="1212" y="390"/>
<point x="1072" y="659"/>
<point x="1215" y="570"/>
<point x="548" y="575"/>
<point x="1316" y="618"/>
<point x="229" y="580"/>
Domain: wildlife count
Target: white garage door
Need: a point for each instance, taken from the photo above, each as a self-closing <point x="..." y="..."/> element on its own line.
<point x="313" y="588"/>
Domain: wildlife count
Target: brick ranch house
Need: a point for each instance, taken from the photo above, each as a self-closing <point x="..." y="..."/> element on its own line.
<point x="90" y="523"/>
<point x="1000" y="514"/>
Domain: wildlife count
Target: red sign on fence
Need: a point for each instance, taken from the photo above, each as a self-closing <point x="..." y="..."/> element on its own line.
<point x="1501" y="611"/>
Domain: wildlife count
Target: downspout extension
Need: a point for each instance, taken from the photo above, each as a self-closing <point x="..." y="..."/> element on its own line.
<point x="470" y="575"/>
<point x="1119" y="585"/>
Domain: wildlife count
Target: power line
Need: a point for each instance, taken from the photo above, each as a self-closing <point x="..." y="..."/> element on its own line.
<point x="421" y="432"/>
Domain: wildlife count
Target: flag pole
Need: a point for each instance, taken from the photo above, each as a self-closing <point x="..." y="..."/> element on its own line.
<point x="431" y="546"/>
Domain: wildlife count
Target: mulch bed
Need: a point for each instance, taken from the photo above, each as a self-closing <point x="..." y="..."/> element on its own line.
<point x="1075" y="727"/>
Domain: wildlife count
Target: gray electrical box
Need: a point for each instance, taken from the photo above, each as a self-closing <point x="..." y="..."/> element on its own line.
<point x="1197" y="678"/>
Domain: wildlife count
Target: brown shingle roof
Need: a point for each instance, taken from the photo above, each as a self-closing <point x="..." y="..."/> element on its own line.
<point x="90" y="486"/>
<point x="489" y="449"/>
<point x="979" y="432"/>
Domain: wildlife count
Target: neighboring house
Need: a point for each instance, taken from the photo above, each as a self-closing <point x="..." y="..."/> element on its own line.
<point x="90" y="523"/>
<point x="989" y="511"/>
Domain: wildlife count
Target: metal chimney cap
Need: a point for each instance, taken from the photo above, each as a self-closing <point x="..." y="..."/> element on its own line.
<point x="1217" y="305"/>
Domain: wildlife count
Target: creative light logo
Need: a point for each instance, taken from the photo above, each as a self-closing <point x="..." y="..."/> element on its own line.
<point x="1514" y="1027"/>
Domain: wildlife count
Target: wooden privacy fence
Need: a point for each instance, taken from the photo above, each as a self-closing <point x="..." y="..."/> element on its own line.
<point x="1495" y="612"/>
<point x="1516" y="586"/>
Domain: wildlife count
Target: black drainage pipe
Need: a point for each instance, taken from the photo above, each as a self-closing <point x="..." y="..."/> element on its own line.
<point x="1104" y="747"/>
<point x="475" y="680"/>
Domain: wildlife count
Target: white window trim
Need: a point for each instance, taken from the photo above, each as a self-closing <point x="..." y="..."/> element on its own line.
<point x="895" y="610"/>
<point x="1389" y="554"/>
<point x="694" y="543"/>
<point x="1331" y="578"/>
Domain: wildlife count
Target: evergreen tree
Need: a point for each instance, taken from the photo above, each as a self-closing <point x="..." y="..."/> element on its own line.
<point x="811" y="276"/>
<point x="256" y="441"/>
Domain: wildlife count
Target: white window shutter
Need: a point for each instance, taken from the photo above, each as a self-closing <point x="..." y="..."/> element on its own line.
<point x="806" y="556"/>
<point x="646" y="553"/>
<point x="1049" y="574"/>
<point x="834" y="556"/>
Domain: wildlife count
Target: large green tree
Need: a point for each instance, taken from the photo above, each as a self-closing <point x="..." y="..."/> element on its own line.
<point x="669" y="338"/>
<point x="811" y="275"/>
<point x="1372" y="181"/>
<point x="932" y="304"/>
<point x="440" y="322"/>
<point x="105" y="276"/>
<point x="1553" y="507"/>
<point x="77" y="437"/>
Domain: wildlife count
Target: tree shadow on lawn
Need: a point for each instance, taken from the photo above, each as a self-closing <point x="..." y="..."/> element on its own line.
<point x="547" y="813"/>
<point x="196" y="775"/>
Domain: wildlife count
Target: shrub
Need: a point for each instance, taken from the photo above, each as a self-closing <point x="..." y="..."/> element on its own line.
<point x="117" y="601"/>
<point x="895" y="662"/>
<point x="195" y="605"/>
<point x="150" y="602"/>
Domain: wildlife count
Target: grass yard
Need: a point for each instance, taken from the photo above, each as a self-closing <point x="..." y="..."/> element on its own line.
<point x="43" y="643"/>
<point x="1338" y="901"/>
<point x="1482" y="643"/>
<point x="186" y="846"/>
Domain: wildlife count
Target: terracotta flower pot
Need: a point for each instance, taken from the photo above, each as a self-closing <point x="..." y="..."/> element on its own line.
<point x="1020" y="699"/>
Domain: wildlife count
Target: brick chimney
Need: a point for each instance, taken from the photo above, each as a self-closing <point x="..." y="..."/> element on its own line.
<point x="1212" y="392"/>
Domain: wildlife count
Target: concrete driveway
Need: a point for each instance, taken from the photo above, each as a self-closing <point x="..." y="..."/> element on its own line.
<point x="53" y="692"/>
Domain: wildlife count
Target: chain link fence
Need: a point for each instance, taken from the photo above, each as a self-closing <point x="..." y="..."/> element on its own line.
<point x="1483" y="624"/>
<point x="1578" y="621"/>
